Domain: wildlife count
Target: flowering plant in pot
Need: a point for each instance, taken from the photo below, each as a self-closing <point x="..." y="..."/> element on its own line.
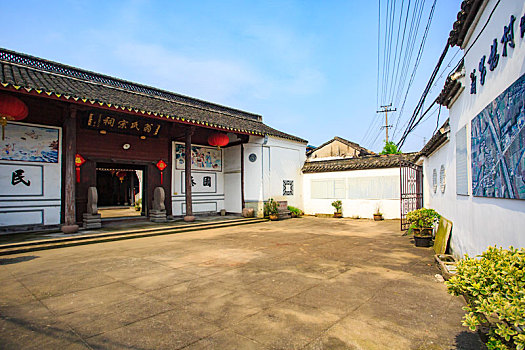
<point x="271" y="210"/>
<point x="422" y="221"/>
<point x="338" y="205"/>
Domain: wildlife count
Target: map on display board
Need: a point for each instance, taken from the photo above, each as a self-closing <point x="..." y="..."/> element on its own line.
<point x="202" y="158"/>
<point x="498" y="146"/>
<point x="30" y="143"/>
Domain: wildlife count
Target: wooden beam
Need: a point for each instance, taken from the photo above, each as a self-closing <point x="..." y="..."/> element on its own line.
<point x="70" y="149"/>
<point x="187" y="173"/>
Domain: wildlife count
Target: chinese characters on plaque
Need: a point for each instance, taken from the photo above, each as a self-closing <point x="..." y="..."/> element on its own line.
<point x="122" y="124"/>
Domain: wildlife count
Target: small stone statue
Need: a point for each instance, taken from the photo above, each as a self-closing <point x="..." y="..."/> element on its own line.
<point x="158" y="212"/>
<point x="158" y="199"/>
<point x="92" y="207"/>
<point x="91" y="218"/>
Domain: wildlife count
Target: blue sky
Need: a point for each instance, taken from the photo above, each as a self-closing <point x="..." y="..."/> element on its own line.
<point x="308" y="67"/>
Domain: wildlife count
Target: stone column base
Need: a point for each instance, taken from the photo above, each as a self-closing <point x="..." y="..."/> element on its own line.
<point x="157" y="216"/>
<point x="92" y="221"/>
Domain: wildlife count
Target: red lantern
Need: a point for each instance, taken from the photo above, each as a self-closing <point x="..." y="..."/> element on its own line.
<point x="161" y="165"/>
<point x="218" y="139"/>
<point x="11" y="108"/>
<point x="121" y="175"/>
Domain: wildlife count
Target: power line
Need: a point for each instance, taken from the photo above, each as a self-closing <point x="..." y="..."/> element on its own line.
<point x="416" y="65"/>
<point x="402" y="44"/>
<point x="423" y="96"/>
<point x="413" y="124"/>
<point x="389" y="93"/>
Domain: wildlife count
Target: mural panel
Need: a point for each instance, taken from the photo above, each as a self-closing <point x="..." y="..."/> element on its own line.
<point x="498" y="146"/>
<point x="202" y="158"/>
<point x="30" y="143"/>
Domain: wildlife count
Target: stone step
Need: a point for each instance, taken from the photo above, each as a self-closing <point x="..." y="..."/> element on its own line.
<point x="24" y="247"/>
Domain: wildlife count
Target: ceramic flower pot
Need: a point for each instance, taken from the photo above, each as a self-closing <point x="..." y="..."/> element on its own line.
<point x="423" y="241"/>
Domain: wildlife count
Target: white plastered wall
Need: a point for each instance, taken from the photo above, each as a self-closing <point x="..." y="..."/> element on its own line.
<point x="40" y="202"/>
<point x="202" y="202"/>
<point x="364" y="208"/>
<point x="276" y="160"/>
<point x="480" y="222"/>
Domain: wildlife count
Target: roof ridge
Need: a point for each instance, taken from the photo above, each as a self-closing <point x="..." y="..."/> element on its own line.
<point x="60" y="69"/>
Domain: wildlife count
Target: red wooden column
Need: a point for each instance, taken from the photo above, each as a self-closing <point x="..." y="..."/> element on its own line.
<point x="187" y="174"/>
<point x="70" y="149"/>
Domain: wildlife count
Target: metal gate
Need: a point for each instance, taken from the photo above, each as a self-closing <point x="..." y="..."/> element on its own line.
<point x="411" y="190"/>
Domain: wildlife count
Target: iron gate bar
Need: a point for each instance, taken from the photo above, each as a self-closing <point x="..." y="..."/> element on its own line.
<point x="411" y="188"/>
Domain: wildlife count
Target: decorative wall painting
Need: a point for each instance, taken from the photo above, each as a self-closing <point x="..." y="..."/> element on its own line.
<point x="498" y="146"/>
<point x="30" y="143"/>
<point x="202" y="158"/>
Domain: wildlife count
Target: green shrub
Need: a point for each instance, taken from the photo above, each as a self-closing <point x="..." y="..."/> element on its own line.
<point x="338" y="205"/>
<point x="423" y="218"/>
<point x="295" y="210"/>
<point x="494" y="286"/>
<point x="270" y="207"/>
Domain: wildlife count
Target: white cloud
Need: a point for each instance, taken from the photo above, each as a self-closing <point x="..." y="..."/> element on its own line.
<point x="208" y="78"/>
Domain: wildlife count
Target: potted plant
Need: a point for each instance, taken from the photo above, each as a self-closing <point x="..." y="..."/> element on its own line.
<point x="270" y="209"/>
<point x="493" y="285"/>
<point x="338" y="205"/>
<point x="295" y="212"/>
<point x="422" y="222"/>
<point x="378" y="216"/>
<point x="138" y="204"/>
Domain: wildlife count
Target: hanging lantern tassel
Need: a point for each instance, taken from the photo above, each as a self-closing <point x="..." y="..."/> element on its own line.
<point x="161" y="179"/>
<point x="79" y="160"/>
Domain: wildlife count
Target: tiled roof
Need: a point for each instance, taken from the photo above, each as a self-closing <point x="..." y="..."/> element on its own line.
<point x="440" y="137"/>
<point x="452" y="87"/>
<point x="363" y="150"/>
<point x="465" y="18"/>
<point x="359" y="163"/>
<point x="28" y="74"/>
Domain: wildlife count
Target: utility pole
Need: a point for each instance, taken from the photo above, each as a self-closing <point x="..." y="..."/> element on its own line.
<point x="385" y="110"/>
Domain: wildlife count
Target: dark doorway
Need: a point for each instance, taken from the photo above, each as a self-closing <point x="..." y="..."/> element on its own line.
<point x="120" y="189"/>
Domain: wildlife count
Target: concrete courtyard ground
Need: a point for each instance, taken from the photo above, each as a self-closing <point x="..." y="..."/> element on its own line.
<point x="308" y="283"/>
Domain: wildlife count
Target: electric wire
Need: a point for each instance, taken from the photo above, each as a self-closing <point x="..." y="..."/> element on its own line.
<point x="392" y="84"/>
<point x="425" y="93"/>
<point x="416" y="65"/>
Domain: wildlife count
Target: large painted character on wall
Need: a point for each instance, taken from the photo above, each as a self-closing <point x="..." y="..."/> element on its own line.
<point x="30" y="144"/>
<point x="498" y="146"/>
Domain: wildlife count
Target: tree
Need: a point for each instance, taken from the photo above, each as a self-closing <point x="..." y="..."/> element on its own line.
<point x="390" y="148"/>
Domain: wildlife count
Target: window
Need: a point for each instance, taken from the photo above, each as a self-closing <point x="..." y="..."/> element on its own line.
<point x="374" y="187"/>
<point x="461" y="162"/>
<point x="328" y="188"/>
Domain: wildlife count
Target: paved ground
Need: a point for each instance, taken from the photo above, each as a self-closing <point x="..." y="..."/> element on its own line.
<point x="307" y="283"/>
